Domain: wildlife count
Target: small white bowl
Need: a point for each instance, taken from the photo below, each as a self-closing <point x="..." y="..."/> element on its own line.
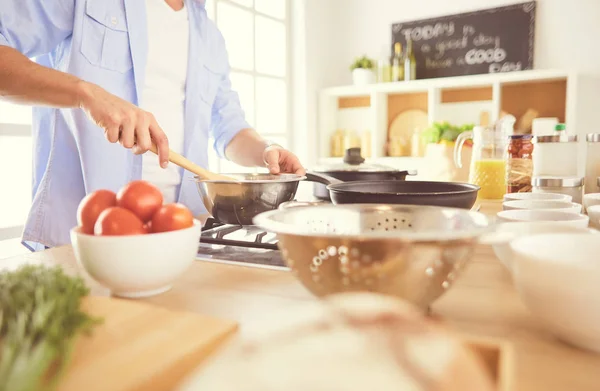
<point x="562" y="206"/>
<point x="137" y="266"/>
<point x="590" y="200"/>
<point x="594" y="215"/>
<point x="548" y="216"/>
<point x="522" y="229"/>
<point x="558" y="279"/>
<point x="537" y="197"/>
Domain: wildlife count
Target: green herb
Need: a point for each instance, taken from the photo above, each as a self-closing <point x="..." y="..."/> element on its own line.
<point x="363" y="62"/>
<point x="40" y="317"/>
<point x="439" y="131"/>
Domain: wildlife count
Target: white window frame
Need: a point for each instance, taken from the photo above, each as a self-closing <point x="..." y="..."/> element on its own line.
<point x="13" y="130"/>
<point x="288" y="135"/>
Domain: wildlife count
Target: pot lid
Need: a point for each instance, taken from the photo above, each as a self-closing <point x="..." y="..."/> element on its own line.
<point x="353" y="161"/>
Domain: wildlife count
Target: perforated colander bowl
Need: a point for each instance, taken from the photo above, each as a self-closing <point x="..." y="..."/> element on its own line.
<point x="414" y="252"/>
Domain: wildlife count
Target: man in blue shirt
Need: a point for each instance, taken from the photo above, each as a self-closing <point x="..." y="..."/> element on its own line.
<point x="86" y="86"/>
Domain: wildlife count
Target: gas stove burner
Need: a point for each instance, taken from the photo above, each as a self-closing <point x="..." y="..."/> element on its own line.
<point x="211" y="223"/>
<point x="215" y="232"/>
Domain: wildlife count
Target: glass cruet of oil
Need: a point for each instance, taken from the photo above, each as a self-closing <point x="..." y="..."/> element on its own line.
<point x="487" y="161"/>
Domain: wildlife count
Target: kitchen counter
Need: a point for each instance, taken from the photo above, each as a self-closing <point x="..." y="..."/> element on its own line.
<point x="483" y="303"/>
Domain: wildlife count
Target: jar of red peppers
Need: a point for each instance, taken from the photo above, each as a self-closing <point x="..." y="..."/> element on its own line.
<point x="519" y="163"/>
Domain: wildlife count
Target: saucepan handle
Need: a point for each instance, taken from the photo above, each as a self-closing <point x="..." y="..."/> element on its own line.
<point x="403" y="174"/>
<point x="321" y="178"/>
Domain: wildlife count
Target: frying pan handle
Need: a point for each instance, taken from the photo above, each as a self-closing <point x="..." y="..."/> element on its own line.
<point x="321" y="178"/>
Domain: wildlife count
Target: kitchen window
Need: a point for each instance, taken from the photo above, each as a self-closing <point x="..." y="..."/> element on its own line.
<point x="257" y="35"/>
<point x="15" y="172"/>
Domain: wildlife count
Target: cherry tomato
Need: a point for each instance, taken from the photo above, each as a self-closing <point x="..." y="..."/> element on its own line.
<point x="118" y="221"/>
<point x="171" y="217"/>
<point x="140" y="197"/>
<point x="91" y="206"/>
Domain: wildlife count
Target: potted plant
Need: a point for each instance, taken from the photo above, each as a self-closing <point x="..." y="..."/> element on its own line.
<point x="439" y="140"/>
<point x="362" y="71"/>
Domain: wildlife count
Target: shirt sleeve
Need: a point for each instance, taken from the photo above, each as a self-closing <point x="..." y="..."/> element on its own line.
<point x="35" y="27"/>
<point x="228" y="117"/>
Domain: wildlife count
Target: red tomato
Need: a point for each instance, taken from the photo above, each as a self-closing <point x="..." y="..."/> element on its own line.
<point x="118" y="221"/>
<point x="140" y="197"/>
<point x="172" y="217"/>
<point x="91" y="206"/>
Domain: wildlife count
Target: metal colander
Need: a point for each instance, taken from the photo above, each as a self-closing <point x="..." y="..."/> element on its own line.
<point x="414" y="252"/>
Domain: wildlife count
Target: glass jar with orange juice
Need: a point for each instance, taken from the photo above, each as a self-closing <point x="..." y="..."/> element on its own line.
<point x="487" y="162"/>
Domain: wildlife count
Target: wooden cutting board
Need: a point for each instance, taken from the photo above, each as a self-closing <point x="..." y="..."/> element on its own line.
<point x="141" y="347"/>
<point x="405" y="124"/>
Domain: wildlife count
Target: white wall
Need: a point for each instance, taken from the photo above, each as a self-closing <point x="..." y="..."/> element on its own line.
<point x="567" y="31"/>
<point x="337" y="31"/>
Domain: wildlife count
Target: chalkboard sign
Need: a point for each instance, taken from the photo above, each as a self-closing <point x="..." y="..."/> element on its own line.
<point x="486" y="41"/>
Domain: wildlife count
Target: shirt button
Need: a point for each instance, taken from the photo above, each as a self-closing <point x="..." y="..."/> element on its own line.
<point x="114" y="20"/>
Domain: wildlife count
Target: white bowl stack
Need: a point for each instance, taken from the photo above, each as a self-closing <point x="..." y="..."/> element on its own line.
<point x="558" y="278"/>
<point x="551" y="253"/>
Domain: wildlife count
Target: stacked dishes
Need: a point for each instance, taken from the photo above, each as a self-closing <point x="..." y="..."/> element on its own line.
<point x="558" y="278"/>
<point x="546" y="207"/>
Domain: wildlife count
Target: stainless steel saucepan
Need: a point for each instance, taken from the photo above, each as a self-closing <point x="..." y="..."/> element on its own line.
<point x="237" y="201"/>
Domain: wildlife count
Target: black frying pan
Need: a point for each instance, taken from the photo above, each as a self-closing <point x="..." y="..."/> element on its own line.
<point x="448" y="194"/>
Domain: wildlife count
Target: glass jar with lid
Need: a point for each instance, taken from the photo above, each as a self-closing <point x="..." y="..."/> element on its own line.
<point x="555" y="156"/>
<point x="519" y="163"/>
<point x="572" y="186"/>
<point x="592" y="166"/>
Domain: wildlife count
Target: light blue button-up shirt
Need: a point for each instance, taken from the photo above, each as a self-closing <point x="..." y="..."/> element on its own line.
<point x="105" y="42"/>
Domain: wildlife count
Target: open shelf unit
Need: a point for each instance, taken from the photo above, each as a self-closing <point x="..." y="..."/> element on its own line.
<point x="570" y="97"/>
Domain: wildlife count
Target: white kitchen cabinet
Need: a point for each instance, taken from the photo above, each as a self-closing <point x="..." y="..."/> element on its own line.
<point x="572" y="97"/>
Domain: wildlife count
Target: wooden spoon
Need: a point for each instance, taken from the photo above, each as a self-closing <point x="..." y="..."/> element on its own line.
<point x="186" y="164"/>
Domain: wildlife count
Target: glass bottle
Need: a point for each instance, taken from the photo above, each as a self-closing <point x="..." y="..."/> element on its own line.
<point x="397" y="63"/>
<point x="487" y="168"/>
<point x="410" y="63"/>
<point x="383" y="67"/>
<point x="519" y="163"/>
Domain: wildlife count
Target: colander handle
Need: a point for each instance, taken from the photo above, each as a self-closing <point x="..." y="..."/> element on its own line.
<point x="321" y="178"/>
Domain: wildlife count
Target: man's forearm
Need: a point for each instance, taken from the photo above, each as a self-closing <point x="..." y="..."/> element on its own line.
<point x="24" y="81"/>
<point x="246" y="149"/>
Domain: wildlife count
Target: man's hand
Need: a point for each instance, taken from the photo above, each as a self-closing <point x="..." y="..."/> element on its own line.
<point x="124" y="122"/>
<point x="282" y="161"/>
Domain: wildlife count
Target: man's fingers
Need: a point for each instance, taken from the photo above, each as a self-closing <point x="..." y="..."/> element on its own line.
<point x="143" y="141"/>
<point x="112" y="134"/>
<point x="162" y="144"/>
<point x="272" y="161"/>
<point x="127" y="134"/>
<point x="298" y="169"/>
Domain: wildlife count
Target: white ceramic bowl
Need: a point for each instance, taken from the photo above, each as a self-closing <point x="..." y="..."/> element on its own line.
<point x="590" y="200"/>
<point x="548" y="216"/>
<point x="537" y="197"/>
<point x="137" y="265"/>
<point x="558" y="279"/>
<point x="522" y="229"/>
<point x="562" y="206"/>
<point x="594" y="215"/>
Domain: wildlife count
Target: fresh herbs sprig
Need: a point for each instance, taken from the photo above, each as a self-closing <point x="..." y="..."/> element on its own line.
<point x="40" y="317"/>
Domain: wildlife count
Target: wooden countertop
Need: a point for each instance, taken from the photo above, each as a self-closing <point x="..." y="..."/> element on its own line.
<point x="483" y="303"/>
